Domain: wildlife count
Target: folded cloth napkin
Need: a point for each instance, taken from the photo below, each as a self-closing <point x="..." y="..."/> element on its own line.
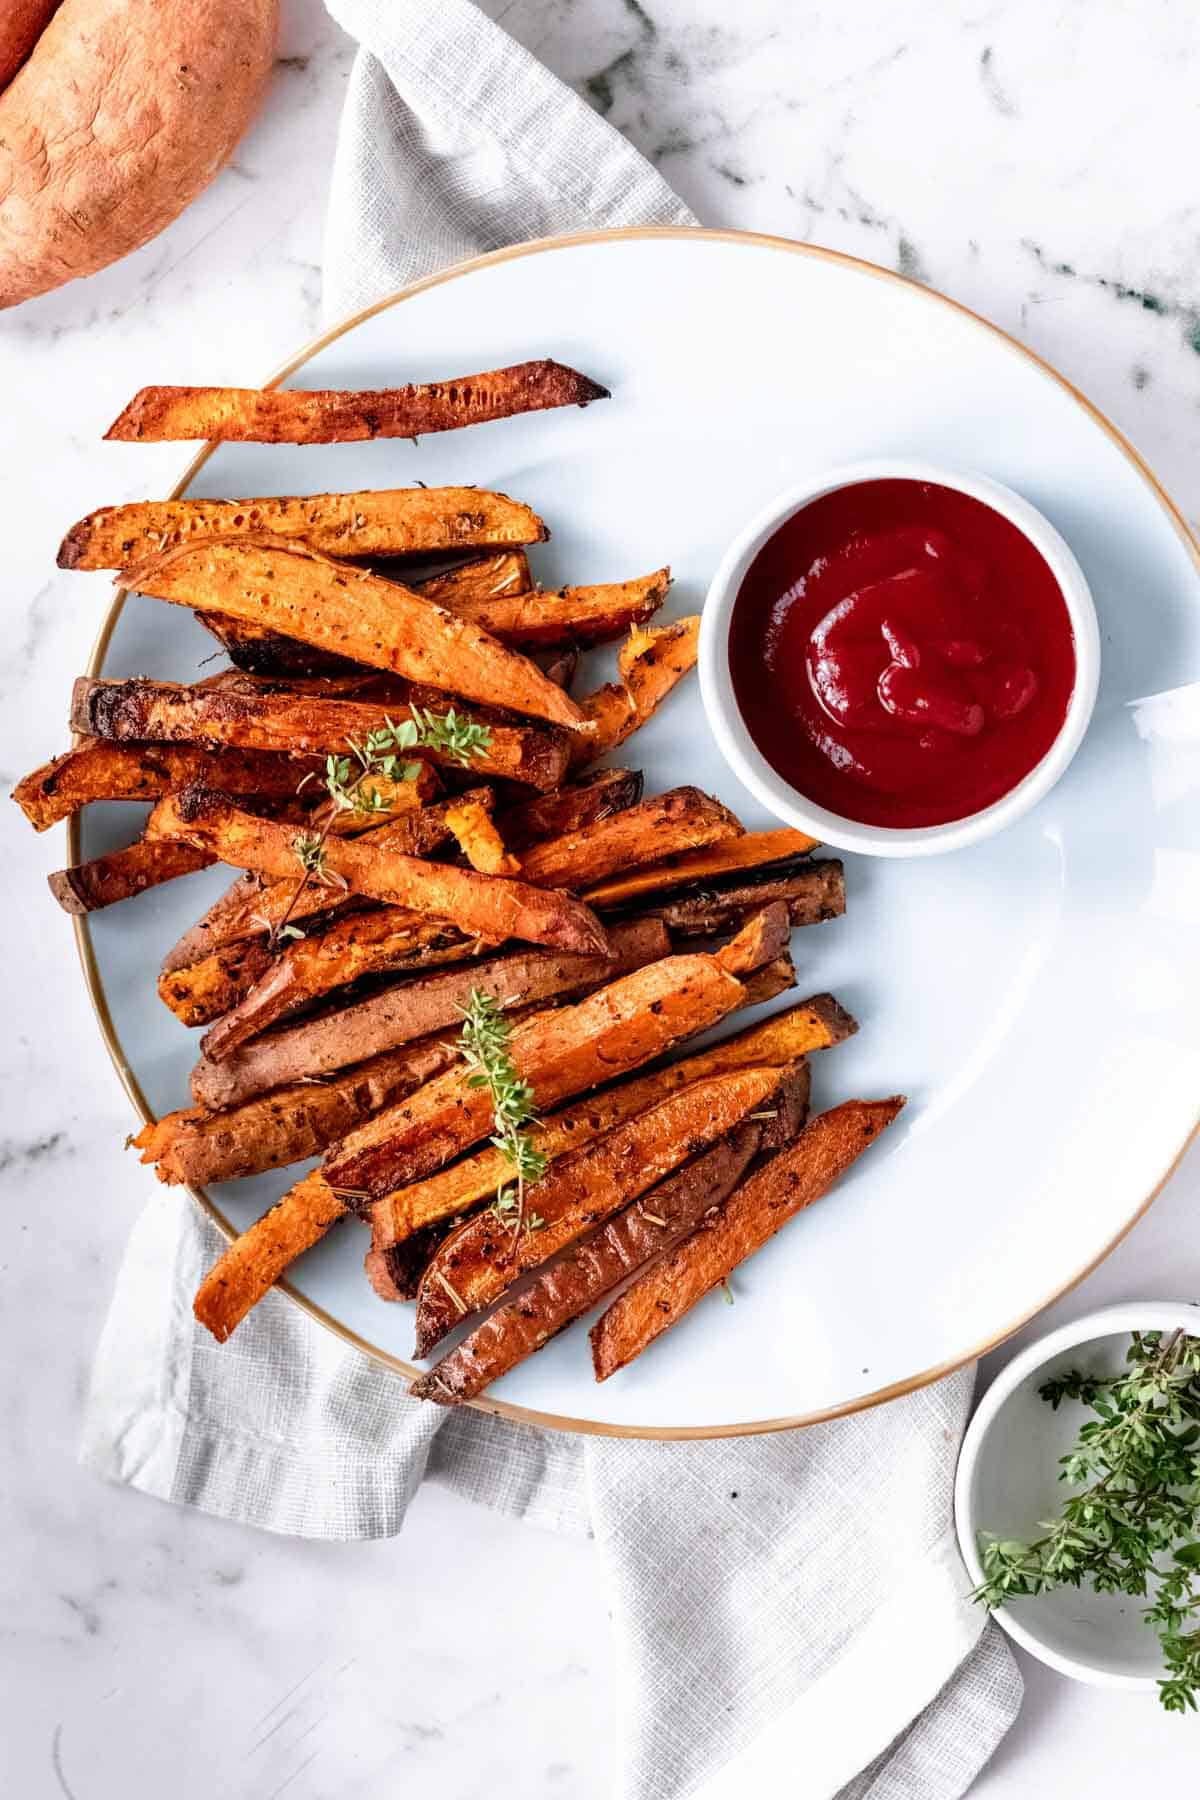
<point x="788" y="1602"/>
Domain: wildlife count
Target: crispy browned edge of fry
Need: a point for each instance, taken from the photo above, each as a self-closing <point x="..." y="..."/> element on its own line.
<point x="120" y="874"/>
<point x="641" y="1231"/>
<point x="336" y="415"/>
<point x="652" y="662"/>
<point x="595" y="795"/>
<point x="143" y="771"/>
<point x="752" y="1215"/>
<point x="660" y="826"/>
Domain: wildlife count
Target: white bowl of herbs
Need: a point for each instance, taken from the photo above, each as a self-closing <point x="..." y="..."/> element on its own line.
<point x="1077" y="1500"/>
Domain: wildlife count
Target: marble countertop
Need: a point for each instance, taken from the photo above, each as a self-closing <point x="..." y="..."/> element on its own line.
<point x="1028" y="160"/>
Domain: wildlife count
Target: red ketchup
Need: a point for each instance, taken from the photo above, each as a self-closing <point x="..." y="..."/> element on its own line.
<point x="901" y="654"/>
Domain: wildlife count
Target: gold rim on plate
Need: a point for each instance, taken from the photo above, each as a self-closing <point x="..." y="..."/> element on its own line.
<point x="87" y="955"/>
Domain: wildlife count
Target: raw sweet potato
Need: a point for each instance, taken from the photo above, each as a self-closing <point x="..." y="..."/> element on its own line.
<point x="812" y="892"/>
<point x="751" y="850"/>
<point x="650" y="664"/>
<point x="815" y="1024"/>
<point x="334" y="416"/>
<point x="412" y="1009"/>
<point x="375" y="522"/>
<point x="243" y="715"/>
<point x="559" y="1054"/>
<point x="255" y="1260"/>
<point x="487" y="1253"/>
<point x="122" y="114"/>
<point x="753" y="1213"/>
<point x="121" y="874"/>
<point x="356" y="614"/>
<point x="576" y="615"/>
<point x="665" y="825"/>
<point x="595" y="796"/>
<point x="260" y="650"/>
<point x="291" y="1123"/>
<point x="481" y="905"/>
<point x="96" y="770"/>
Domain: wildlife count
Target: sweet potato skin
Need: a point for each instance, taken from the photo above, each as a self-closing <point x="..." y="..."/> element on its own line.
<point x="665" y="825"/>
<point x="568" y="809"/>
<point x="561" y="1053"/>
<point x="270" y="720"/>
<point x="751" y="850"/>
<point x="332" y="416"/>
<point x="490" y="906"/>
<point x="123" y="113"/>
<point x="575" y="615"/>
<point x="410" y="1010"/>
<point x="575" y="1282"/>
<point x="119" y="875"/>
<point x="355" y="614"/>
<point x="255" y="1260"/>
<point x="486" y="1254"/>
<point x="98" y="770"/>
<point x="375" y="522"/>
<point x="813" y="893"/>
<point x="753" y="1214"/>
<point x="291" y="1123"/>
<point x="22" y="25"/>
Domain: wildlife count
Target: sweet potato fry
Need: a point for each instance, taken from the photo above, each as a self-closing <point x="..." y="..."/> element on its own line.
<point x="651" y="663"/>
<point x="487" y="1253"/>
<point x="762" y="940"/>
<point x="253" y="905"/>
<point x="260" y="650"/>
<point x="575" y="1282"/>
<point x="665" y="825"/>
<point x="335" y="416"/>
<point x="412" y="1009"/>
<point x="207" y="989"/>
<point x="559" y="665"/>
<point x="595" y="796"/>
<point x="480" y="905"/>
<point x="479" y="840"/>
<point x="753" y="1213"/>
<point x="575" y="615"/>
<point x="95" y="770"/>
<point x="291" y="1123"/>
<point x="377" y="522"/>
<point x="646" y="1229"/>
<point x="560" y="1053"/>
<point x="241" y="714"/>
<point x="815" y="1024"/>
<point x="812" y="892"/>
<point x="121" y="874"/>
<point x="751" y="850"/>
<point x="254" y="1261"/>
<point x="355" y="614"/>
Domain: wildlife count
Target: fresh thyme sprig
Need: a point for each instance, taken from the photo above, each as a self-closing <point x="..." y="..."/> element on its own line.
<point x="1134" y="1528"/>
<point x="381" y="754"/>
<point x="484" y="1048"/>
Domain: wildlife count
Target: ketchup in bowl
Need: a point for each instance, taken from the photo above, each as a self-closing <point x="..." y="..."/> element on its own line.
<point x="901" y="653"/>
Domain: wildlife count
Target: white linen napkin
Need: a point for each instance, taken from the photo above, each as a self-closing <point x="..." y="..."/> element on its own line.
<point x="792" y="1601"/>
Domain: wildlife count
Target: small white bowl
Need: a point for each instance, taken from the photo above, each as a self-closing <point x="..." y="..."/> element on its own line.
<point x="778" y="795"/>
<point x="1007" y="1483"/>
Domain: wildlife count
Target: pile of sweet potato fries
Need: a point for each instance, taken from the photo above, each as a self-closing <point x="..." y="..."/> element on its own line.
<point x="416" y="803"/>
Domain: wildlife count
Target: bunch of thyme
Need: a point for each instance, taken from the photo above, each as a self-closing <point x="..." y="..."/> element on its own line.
<point x="484" y="1047"/>
<point x="1134" y="1528"/>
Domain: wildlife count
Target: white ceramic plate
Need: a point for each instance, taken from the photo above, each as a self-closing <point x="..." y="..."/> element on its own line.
<point x="1036" y="995"/>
